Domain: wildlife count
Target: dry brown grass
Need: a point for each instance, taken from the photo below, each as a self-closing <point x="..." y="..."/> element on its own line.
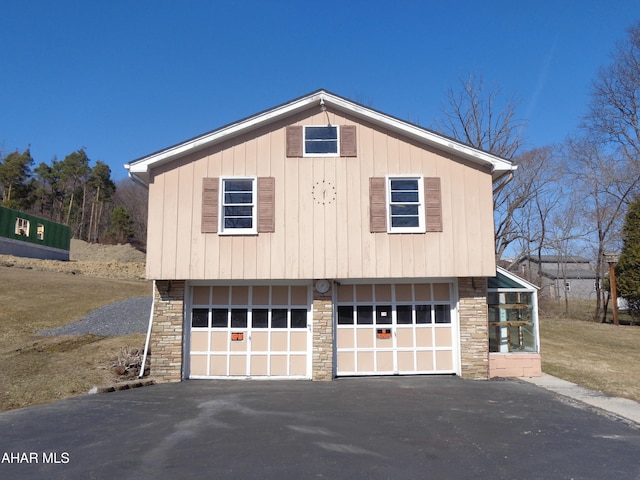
<point x="38" y="369"/>
<point x="594" y="355"/>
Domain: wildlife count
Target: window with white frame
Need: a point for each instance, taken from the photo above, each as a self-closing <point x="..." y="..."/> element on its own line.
<point x="238" y="205"/>
<point x="406" y="204"/>
<point x="22" y="227"/>
<point x="321" y="141"/>
<point x="40" y="231"/>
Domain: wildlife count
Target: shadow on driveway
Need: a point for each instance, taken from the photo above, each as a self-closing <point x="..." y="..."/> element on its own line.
<point x="353" y="428"/>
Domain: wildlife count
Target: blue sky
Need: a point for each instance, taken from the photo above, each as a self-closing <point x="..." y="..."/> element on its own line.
<point x="128" y="78"/>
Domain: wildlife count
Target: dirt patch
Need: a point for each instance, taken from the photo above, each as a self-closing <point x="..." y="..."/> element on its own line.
<point x="106" y="261"/>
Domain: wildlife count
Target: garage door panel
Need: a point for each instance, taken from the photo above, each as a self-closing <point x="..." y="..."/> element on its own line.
<point x="405" y="337"/>
<point x="365" y="338"/>
<point x="298" y="365"/>
<point x="406" y="361"/>
<point x="200" y="341"/>
<point x="347" y="362"/>
<point x="384" y="362"/>
<point x="259" y="365"/>
<point x="345" y="338"/>
<point x="199" y="365"/>
<point x="298" y="341"/>
<point x="238" y="345"/>
<point x="365" y="361"/>
<point x="443" y="336"/>
<point x="220" y="341"/>
<point x="259" y="341"/>
<point x="424" y="336"/>
<point x="218" y="365"/>
<point x="279" y="365"/>
<point x="238" y="365"/>
<point x="424" y="361"/>
<point x="444" y="360"/>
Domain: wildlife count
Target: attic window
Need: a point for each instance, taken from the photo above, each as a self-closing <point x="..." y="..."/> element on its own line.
<point x="319" y="141"/>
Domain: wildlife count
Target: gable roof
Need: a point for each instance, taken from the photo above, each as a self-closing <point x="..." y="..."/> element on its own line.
<point x="140" y="168"/>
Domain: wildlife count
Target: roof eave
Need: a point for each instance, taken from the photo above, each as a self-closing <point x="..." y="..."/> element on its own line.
<point x="141" y="167"/>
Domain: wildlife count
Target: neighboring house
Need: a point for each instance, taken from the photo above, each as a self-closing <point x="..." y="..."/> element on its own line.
<point x="560" y="277"/>
<point x="24" y="235"/>
<point x="317" y="239"/>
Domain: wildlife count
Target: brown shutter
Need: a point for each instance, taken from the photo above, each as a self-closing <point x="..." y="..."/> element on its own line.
<point x="210" y="187"/>
<point x="433" y="204"/>
<point x="294" y="141"/>
<point x="377" y="204"/>
<point x="348" y="146"/>
<point x="266" y="204"/>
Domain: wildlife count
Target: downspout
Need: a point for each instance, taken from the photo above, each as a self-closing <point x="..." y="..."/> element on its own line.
<point x="146" y="343"/>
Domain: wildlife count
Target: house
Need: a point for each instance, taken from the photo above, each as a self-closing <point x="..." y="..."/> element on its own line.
<point x="317" y="239"/>
<point x="25" y="235"/>
<point x="560" y="276"/>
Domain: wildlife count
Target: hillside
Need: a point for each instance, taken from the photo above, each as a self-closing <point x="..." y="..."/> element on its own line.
<point x="96" y="260"/>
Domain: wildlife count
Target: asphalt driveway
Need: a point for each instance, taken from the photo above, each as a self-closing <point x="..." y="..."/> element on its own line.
<point x="362" y="428"/>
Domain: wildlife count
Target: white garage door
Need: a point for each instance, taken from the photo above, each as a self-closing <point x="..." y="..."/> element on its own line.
<point x="250" y="331"/>
<point x="396" y="329"/>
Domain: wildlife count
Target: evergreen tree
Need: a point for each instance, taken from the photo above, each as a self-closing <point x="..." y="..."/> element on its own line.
<point x="628" y="267"/>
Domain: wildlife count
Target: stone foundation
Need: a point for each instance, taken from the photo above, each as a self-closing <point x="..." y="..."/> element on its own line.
<point x="322" y="358"/>
<point x="165" y="344"/>
<point x="474" y="334"/>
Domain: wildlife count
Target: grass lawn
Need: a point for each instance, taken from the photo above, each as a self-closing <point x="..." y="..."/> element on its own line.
<point x="594" y="355"/>
<point x="38" y="369"/>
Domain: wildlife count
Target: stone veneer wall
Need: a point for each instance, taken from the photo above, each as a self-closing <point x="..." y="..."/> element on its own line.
<point x="322" y="358"/>
<point x="166" y="331"/>
<point x="474" y="333"/>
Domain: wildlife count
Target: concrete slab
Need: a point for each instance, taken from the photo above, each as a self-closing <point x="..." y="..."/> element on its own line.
<point x="622" y="407"/>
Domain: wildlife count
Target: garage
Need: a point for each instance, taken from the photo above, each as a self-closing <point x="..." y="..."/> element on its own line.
<point x="250" y="331"/>
<point x="396" y="329"/>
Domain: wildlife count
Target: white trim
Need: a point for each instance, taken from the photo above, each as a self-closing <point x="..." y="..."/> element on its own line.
<point x="141" y="167"/>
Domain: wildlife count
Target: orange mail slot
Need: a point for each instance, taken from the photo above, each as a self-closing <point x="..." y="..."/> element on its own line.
<point x="384" y="333"/>
<point x="237" y="336"/>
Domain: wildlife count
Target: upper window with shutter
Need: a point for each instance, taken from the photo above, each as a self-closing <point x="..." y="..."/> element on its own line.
<point x="238" y="205"/>
<point x="321" y="141"/>
<point x="405" y="204"/>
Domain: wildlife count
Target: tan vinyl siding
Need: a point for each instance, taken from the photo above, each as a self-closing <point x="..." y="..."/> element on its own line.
<point x="311" y="239"/>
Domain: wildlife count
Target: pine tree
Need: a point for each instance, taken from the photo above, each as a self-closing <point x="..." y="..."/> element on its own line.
<point x="628" y="267"/>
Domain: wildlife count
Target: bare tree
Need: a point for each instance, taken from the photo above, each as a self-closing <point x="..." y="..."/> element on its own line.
<point x="482" y="119"/>
<point x="134" y="199"/>
<point x="614" y="112"/>
<point x="610" y="170"/>
<point x="602" y="186"/>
